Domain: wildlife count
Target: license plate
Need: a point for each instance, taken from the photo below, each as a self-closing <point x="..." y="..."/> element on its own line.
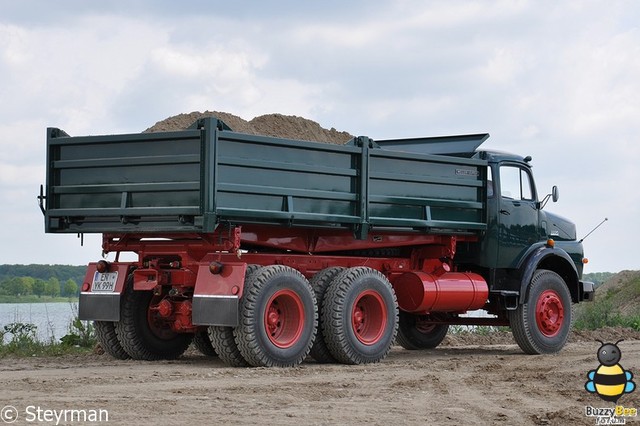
<point x="104" y="282"/>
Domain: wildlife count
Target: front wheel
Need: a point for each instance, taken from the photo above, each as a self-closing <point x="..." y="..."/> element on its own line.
<point x="541" y="325"/>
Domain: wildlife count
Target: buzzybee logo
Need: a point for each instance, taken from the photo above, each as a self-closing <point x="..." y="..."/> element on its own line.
<point x="610" y="381"/>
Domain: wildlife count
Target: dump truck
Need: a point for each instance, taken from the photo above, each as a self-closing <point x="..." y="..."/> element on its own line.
<point x="263" y="251"/>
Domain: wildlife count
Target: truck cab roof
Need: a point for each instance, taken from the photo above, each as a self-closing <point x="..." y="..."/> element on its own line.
<point x="494" y="156"/>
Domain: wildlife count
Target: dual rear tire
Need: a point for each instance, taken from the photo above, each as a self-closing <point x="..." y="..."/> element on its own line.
<point x="140" y="334"/>
<point x="359" y="316"/>
<point x="280" y="323"/>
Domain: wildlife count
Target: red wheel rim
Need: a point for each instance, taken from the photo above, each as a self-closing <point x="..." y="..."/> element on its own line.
<point x="369" y="317"/>
<point x="424" y="326"/>
<point x="549" y="313"/>
<point x="284" y="318"/>
<point x="159" y="325"/>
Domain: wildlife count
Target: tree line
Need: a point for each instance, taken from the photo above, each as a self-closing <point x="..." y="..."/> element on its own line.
<point x="41" y="280"/>
<point x="24" y="286"/>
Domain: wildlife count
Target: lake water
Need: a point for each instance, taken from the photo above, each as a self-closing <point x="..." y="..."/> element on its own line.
<point x="51" y="319"/>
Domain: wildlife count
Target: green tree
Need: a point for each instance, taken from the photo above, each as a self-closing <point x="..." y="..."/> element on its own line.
<point x="16" y="286"/>
<point x="28" y="283"/>
<point x="4" y="287"/>
<point x="39" y="287"/>
<point x="70" y="288"/>
<point x="53" y="287"/>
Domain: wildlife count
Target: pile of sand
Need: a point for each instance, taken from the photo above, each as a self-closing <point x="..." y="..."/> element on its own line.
<point x="278" y="125"/>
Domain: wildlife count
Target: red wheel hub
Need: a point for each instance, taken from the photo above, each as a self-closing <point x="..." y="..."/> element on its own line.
<point x="424" y="326"/>
<point x="549" y="313"/>
<point x="159" y="319"/>
<point x="369" y="317"/>
<point x="284" y="318"/>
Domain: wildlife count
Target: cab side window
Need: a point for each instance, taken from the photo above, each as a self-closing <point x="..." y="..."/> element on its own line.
<point x="515" y="183"/>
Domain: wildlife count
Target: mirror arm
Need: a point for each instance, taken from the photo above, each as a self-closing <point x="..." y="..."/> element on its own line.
<point x="544" y="201"/>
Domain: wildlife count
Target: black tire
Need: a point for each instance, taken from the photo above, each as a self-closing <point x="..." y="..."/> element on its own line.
<point x="541" y="325"/>
<point x="360" y="316"/>
<point x="202" y="342"/>
<point x="320" y="282"/>
<point x="136" y="335"/>
<point x="223" y="339"/>
<point x="224" y="342"/>
<point x="413" y="335"/>
<point x="108" y="339"/>
<point x="279" y="318"/>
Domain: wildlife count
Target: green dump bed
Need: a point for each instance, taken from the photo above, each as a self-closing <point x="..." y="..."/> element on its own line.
<point x="192" y="180"/>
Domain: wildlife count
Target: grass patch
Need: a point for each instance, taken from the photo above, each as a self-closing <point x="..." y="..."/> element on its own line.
<point x="601" y="313"/>
<point x="20" y="340"/>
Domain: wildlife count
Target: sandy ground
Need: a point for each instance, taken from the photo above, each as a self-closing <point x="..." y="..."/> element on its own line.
<point x="458" y="383"/>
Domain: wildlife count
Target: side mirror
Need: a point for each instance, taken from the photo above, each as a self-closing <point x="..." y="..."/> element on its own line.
<point x="555" y="195"/>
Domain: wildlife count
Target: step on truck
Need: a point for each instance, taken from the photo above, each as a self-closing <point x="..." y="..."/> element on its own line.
<point x="263" y="251"/>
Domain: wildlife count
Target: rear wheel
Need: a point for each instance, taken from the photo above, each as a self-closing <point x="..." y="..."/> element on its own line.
<point x="415" y="333"/>
<point x="360" y="316"/>
<point x="202" y="342"/>
<point x="278" y="318"/>
<point x="106" y="335"/>
<point x="320" y="282"/>
<point x="223" y="339"/>
<point x="225" y="346"/>
<point x="142" y="334"/>
<point x="541" y="325"/>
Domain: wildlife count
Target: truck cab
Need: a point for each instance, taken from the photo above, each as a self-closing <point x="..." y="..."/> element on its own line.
<point x="522" y="236"/>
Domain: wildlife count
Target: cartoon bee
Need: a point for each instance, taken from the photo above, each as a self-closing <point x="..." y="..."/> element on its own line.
<point x="609" y="381"/>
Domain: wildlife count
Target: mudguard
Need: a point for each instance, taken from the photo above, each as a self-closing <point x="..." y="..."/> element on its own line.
<point x="554" y="259"/>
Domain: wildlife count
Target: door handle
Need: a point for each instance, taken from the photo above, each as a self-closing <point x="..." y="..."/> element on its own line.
<point x="505" y="212"/>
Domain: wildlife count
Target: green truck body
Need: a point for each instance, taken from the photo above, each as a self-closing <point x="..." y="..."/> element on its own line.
<point x="189" y="181"/>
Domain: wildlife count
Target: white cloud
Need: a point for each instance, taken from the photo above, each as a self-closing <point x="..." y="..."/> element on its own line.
<point x="554" y="80"/>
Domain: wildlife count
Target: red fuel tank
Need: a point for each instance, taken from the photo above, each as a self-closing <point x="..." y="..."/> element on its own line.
<point x="448" y="292"/>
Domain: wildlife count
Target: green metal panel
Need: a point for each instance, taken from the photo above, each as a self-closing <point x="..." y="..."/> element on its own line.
<point x="192" y="180"/>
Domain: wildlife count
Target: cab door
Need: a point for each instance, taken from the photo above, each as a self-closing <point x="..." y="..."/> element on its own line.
<point x="518" y="214"/>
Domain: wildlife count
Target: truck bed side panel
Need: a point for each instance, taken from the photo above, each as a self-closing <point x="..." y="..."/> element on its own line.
<point x="189" y="181"/>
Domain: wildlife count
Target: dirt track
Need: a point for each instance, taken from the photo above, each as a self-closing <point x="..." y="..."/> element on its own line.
<point x="468" y="384"/>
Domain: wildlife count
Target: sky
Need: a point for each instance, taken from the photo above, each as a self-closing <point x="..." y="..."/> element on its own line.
<point x="557" y="80"/>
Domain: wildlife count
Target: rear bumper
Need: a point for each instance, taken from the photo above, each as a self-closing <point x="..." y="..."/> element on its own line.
<point x="587" y="291"/>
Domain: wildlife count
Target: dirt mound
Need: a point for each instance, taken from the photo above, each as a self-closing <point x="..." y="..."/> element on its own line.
<point x="278" y="125"/>
<point x="622" y="291"/>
